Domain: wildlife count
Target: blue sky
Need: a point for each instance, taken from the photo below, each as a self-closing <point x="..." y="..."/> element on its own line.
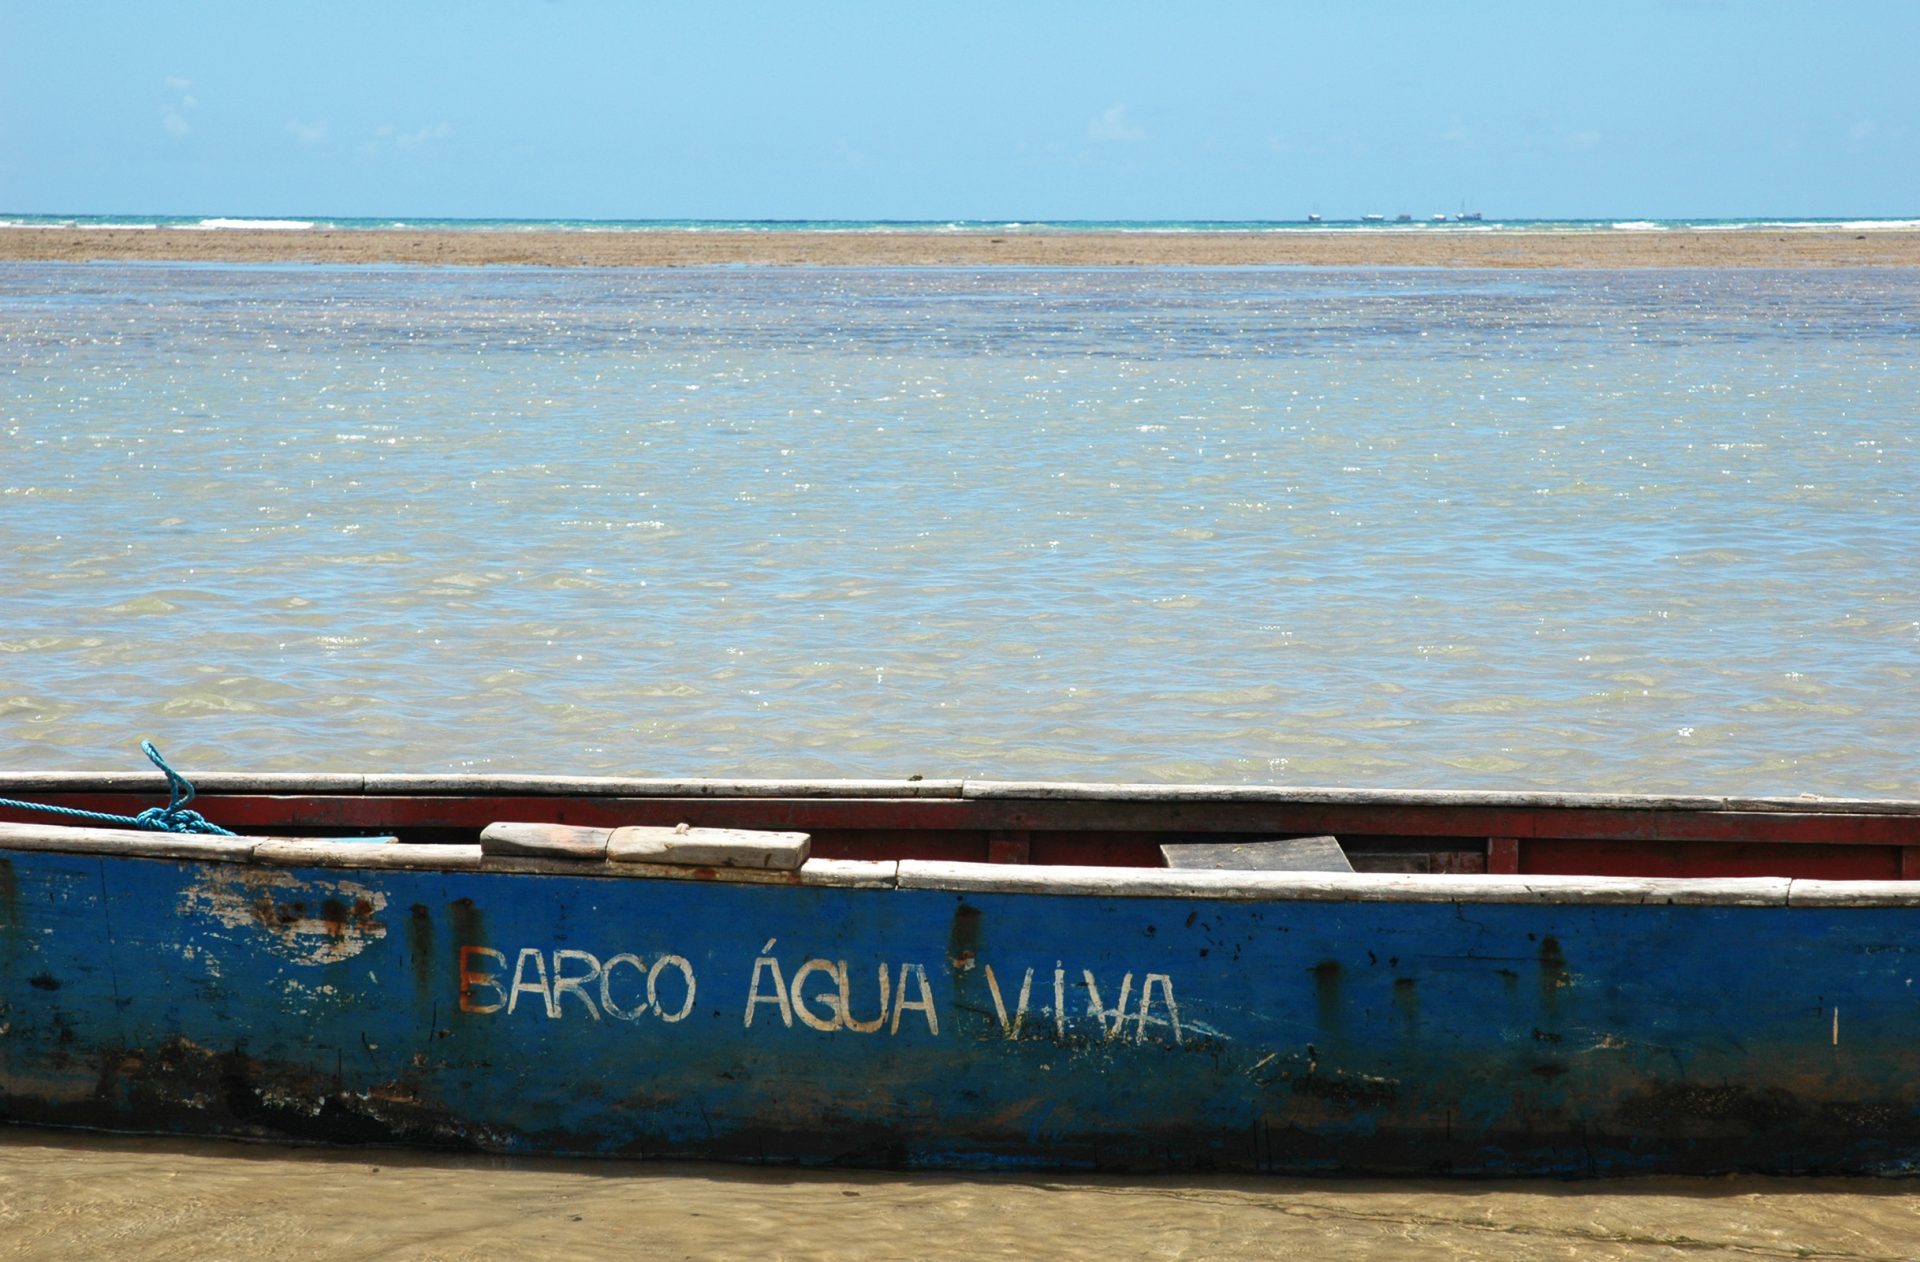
<point x="588" y="108"/>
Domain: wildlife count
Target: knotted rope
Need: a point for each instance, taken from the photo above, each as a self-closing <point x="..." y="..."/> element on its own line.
<point x="174" y="817"/>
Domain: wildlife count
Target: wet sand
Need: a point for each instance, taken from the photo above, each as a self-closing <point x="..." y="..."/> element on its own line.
<point x="1491" y="248"/>
<point x="71" y="1197"/>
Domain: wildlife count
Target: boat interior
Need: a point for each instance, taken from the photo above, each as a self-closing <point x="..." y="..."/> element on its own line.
<point x="1233" y="828"/>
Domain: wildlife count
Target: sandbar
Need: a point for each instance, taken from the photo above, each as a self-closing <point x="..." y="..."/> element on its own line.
<point x="1493" y="248"/>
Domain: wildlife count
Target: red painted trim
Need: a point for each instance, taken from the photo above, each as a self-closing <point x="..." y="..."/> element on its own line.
<point x="1633" y="858"/>
<point x="1006" y="847"/>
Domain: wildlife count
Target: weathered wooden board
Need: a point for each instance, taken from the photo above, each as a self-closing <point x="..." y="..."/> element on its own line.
<point x="969" y="1017"/>
<point x="548" y="841"/>
<point x="1284" y="854"/>
<point x="708" y="847"/>
<point x="682" y="845"/>
<point x="126" y="841"/>
<point x="155" y="844"/>
<point x="317" y="852"/>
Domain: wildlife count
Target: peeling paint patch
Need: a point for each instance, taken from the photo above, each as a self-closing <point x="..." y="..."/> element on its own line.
<point x="304" y="999"/>
<point x="307" y="922"/>
<point x="203" y="957"/>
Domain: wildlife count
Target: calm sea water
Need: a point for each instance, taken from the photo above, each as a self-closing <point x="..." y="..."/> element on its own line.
<point x="1579" y="530"/>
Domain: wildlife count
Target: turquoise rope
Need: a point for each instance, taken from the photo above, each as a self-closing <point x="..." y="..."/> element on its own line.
<point x="171" y="818"/>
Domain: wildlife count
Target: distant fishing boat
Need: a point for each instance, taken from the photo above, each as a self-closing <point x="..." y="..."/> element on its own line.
<point x="1373" y="219"/>
<point x="1403" y="217"/>
<point x="1312" y="218"/>
<point x="1465" y="216"/>
<point x="973" y="974"/>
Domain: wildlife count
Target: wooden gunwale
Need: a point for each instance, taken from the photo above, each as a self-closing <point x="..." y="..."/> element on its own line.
<point x="491" y="785"/>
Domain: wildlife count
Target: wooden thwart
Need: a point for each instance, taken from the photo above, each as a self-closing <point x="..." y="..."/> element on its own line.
<point x="709" y="847"/>
<point x="545" y="841"/>
<point x="682" y="846"/>
<point x="1289" y="854"/>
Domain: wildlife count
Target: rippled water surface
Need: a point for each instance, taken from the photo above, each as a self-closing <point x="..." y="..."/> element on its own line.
<point x="1580" y="530"/>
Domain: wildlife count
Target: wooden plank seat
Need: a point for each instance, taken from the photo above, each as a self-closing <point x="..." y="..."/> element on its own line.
<point x="1279" y="854"/>
<point x="682" y="845"/>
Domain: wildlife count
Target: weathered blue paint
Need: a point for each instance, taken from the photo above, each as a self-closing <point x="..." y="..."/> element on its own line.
<point x="327" y="1004"/>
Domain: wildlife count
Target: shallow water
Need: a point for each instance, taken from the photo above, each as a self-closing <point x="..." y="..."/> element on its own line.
<point x="1572" y="530"/>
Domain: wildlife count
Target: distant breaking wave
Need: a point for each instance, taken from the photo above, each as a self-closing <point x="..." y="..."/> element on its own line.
<point x="267" y="225"/>
<point x="1847" y="225"/>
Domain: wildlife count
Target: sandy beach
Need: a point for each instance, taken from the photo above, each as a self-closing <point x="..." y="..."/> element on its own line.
<point x="1491" y="249"/>
<point x="65" y="1197"/>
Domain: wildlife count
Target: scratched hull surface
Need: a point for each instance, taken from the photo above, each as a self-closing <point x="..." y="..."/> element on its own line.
<point x="557" y="1014"/>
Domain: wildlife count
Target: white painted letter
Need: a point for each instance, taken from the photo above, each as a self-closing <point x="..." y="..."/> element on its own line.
<point x="686" y="975"/>
<point x="923" y="1004"/>
<point x="563" y="985"/>
<point x="1011" y="1028"/>
<point x="1109" y="1019"/>
<point x="540" y="987"/>
<point x="1146" y="1003"/>
<point x="606" y="987"/>
<point x="808" y="1017"/>
<point x="846" y="1003"/>
<point x="778" y="989"/>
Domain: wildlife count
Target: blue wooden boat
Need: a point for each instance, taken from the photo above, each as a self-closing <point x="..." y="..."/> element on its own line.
<point x="974" y="975"/>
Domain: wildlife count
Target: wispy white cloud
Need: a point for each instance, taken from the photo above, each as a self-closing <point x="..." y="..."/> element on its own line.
<point x="422" y="136"/>
<point x="175" y="113"/>
<point x="389" y="138"/>
<point x="314" y="133"/>
<point x="1112" y="126"/>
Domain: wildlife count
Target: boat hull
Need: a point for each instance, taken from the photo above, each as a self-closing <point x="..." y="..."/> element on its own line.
<point x="877" y="1020"/>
